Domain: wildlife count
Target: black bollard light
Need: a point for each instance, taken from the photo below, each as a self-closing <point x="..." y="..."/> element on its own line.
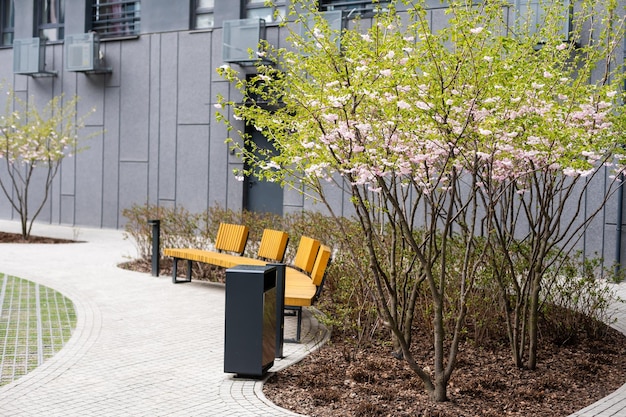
<point x="156" y="250"/>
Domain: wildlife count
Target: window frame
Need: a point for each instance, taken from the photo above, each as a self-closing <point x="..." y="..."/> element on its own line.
<point x="353" y="6"/>
<point x="58" y="27"/>
<point x="7" y="24"/>
<point x="198" y="10"/>
<point x="255" y="5"/>
<point x="127" y="24"/>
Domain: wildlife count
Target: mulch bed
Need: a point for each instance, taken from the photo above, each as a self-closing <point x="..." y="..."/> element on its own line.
<point x="17" y="238"/>
<point x="338" y="380"/>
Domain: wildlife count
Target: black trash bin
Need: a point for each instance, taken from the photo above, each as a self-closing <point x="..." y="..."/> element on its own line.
<point x="250" y="322"/>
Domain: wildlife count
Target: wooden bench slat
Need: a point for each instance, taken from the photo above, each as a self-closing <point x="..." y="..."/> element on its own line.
<point x="232" y="237"/>
<point x="319" y="268"/>
<point x="306" y="253"/>
<point x="273" y="245"/>
<point x="303" y="281"/>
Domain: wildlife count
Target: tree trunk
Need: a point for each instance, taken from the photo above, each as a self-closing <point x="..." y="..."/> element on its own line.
<point x="440" y="393"/>
<point x="533" y="318"/>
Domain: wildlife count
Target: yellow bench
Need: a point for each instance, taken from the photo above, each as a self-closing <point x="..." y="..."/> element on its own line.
<point x="302" y="290"/>
<point x="231" y="238"/>
<point x="303" y="281"/>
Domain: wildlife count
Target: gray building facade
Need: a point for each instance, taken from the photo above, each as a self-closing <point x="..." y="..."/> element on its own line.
<point x="156" y="140"/>
<point x="153" y="134"/>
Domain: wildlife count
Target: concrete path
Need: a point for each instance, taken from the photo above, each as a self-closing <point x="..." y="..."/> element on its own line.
<point x="142" y="345"/>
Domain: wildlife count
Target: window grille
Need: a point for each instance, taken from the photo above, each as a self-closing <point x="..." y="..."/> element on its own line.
<point x="113" y="18"/>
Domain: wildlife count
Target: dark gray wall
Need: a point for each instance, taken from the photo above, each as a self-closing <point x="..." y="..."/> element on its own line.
<point x="24" y="19"/>
<point x="165" y="15"/>
<point x="153" y="136"/>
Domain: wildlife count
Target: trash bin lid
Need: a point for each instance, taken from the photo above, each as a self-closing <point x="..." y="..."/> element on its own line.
<point x="251" y="268"/>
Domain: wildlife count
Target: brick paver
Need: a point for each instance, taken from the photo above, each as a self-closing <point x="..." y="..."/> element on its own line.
<point x="142" y="346"/>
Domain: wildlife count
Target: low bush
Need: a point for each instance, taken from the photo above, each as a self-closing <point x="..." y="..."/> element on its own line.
<point x="179" y="228"/>
<point x="577" y="301"/>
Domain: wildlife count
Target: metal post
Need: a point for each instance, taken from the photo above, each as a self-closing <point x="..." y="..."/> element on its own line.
<point x="618" y="227"/>
<point x="156" y="250"/>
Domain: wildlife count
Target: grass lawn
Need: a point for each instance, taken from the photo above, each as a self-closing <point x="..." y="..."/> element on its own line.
<point x="35" y="323"/>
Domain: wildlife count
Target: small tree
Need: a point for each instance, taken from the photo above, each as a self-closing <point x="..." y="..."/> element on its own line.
<point x="544" y="146"/>
<point x="33" y="144"/>
<point x="416" y="122"/>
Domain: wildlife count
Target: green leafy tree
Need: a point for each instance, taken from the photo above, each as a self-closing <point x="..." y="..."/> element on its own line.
<point x="33" y="144"/>
<point x="547" y="144"/>
<point x="427" y="129"/>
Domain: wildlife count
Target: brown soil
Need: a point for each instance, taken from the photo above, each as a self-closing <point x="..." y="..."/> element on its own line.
<point x="337" y="381"/>
<point x="17" y="238"/>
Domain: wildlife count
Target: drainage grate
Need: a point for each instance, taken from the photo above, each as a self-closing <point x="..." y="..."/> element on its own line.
<point x="35" y="323"/>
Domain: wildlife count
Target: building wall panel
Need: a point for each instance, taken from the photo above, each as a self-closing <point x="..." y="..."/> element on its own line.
<point x="192" y="173"/>
<point x="110" y="158"/>
<point x="194" y="77"/>
<point x="89" y="187"/>
<point x="134" y="101"/>
<point x="167" y="116"/>
<point x="133" y="186"/>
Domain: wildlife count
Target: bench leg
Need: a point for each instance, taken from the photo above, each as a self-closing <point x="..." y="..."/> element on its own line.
<point x="297" y="311"/>
<point x="175" y="280"/>
<point x="298" y="329"/>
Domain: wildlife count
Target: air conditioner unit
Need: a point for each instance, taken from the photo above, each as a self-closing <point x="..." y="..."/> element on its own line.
<point x="240" y="37"/>
<point x="28" y="56"/>
<point x="83" y="54"/>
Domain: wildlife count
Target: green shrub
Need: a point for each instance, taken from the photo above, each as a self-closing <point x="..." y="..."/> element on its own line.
<point x="578" y="301"/>
<point x="179" y="228"/>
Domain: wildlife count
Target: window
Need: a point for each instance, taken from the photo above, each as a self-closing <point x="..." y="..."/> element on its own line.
<point x="111" y="18"/>
<point x="258" y="10"/>
<point x="353" y="6"/>
<point x="6" y="22"/>
<point x="203" y="14"/>
<point x="51" y="17"/>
